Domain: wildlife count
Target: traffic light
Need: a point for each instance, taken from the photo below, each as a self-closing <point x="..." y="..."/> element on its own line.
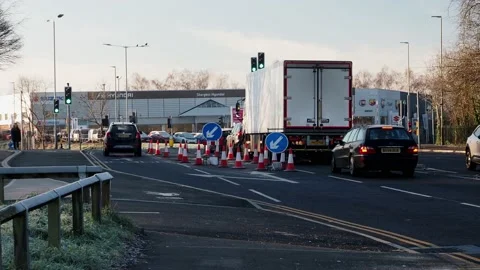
<point x="56" y="106"/>
<point x="237" y="106"/>
<point x="261" y="60"/>
<point x="169" y="122"/>
<point x="253" y="64"/>
<point x="68" y="95"/>
<point x="220" y="121"/>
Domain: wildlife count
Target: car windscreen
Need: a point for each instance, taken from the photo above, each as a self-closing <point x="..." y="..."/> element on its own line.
<point x="164" y="134"/>
<point x="375" y="134"/>
<point x="123" y="129"/>
<point x="187" y="136"/>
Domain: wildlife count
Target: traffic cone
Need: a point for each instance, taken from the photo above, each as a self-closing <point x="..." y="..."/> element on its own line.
<point x="223" y="161"/>
<point x="230" y="152"/>
<point x="246" y="156"/>
<point x="165" y="152"/>
<point x="255" y="155"/>
<point x="265" y="157"/>
<point x="290" y="165"/>
<point x="180" y="152"/>
<point x="185" y="156"/>
<point x="207" y="149"/>
<point x="274" y="157"/>
<point x="217" y="149"/>
<point x="282" y="160"/>
<point x="261" y="163"/>
<point x="150" y="147"/>
<point x="198" y="159"/>
<point x="157" y="151"/>
<point x="238" y="160"/>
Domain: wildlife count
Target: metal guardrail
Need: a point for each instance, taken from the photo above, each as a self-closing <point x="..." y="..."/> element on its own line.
<point x="18" y="212"/>
<point x="47" y="172"/>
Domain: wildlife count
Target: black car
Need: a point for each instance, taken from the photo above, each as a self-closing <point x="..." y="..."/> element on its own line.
<point x="376" y="147"/>
<point x="122" y="138"/>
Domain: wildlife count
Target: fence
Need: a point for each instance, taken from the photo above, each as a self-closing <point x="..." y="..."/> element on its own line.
<point x="99" y="184"/>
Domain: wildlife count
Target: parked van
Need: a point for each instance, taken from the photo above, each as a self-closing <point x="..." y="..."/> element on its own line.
<point x="94" y="135"/>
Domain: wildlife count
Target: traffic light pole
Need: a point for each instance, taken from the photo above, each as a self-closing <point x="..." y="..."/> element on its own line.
<point x="69" y="121"/>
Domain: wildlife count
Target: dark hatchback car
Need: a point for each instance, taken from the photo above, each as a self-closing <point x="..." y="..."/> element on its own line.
<point x="376" y="147"/>
<point x="122" y="138"/>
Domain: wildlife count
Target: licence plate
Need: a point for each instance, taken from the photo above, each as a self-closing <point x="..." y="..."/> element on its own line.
<point x="123" y="135"/>
<point x="391" y="150"/>
<point x="317" y="142"/>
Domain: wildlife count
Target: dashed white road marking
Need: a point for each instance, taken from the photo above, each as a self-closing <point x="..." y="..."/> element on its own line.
<point x="408" y="192"/>
<point x="305" y="171"/>
<point x="345" y="179"/>
<point x="472" y="205"/>
<point x="438" y="170"/>
<point x="263" y="195"/>
<point x="274" y="177"/>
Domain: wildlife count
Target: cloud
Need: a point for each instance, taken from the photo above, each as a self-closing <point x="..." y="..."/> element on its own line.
<point x="363" y="56"/>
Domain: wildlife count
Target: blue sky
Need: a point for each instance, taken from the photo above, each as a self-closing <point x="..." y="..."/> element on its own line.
<point x="221" y="36"/>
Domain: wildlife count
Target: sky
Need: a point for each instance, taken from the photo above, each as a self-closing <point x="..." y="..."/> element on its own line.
<point x="219" y="36"/>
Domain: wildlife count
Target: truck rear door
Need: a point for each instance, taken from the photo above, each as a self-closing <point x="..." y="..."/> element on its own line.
<point x="334" y="97"/>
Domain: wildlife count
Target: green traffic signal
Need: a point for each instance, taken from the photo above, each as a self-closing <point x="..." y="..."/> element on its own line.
<point x="254" y="69"/>
<point x="56" y="110"/>
<point x="260" y="66"/>
<point x="68" y="101"/>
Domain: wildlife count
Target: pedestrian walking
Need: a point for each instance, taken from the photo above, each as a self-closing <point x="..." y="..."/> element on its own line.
<point x="16" y="136"/>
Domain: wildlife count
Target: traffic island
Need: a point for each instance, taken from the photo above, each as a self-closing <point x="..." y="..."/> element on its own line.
<point x="112" y="244"/>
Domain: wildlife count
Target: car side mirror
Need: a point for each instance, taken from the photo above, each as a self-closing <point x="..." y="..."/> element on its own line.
<point x="341" y="143"/>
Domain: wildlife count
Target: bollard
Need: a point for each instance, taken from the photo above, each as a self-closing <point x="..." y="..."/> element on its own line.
<point x="20" y="241"/>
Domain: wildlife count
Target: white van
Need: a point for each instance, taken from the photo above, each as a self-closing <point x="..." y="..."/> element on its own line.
<point x="94" y="135"/>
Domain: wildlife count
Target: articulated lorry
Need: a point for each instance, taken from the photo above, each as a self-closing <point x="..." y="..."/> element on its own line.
<point x="309" y="101"/>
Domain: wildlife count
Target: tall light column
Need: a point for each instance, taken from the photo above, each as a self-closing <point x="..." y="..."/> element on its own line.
<point x="408" y="82"/>
<point x="115" y="79"/>
<point x="442" y="141"/>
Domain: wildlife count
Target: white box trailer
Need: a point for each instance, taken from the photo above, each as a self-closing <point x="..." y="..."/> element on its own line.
<point x="309" y="101"/>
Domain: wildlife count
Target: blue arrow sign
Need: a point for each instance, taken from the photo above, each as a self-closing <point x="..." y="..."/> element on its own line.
<point x="276" y="142"/>
<point x="212" y="131"/>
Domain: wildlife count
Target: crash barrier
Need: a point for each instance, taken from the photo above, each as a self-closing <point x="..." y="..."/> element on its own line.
<point x="47" y="172"/>
<point x="19" y="211"/>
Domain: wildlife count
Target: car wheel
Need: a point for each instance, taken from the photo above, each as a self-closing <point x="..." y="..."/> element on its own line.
<point x="468" y="160"/>
<point x="334" y="167"/>
<point x="353" y="170"/>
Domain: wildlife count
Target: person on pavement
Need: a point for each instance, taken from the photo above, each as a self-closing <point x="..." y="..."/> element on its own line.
<point x="16" y="136"/>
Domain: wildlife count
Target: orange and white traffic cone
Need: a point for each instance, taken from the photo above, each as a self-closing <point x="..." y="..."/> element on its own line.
<point x="282" y="160"/>
<point x="261" y="163"/>
<point x="265" y="157"/>
<point x="157" y="151"/>
<point x="255" y="155"/>
<point x="246" y="156"/>
<point x="290" y="165"/>
<point x="217" y="149"/>
<point x="165" y="152"/>
<point x="223" y="161"/>
<point x="150" y="147"/>
<point x="207" y="149"/>
<point x="198" y="159"/>
<point x="185" y="156"/>
<point x="230" y="152"/>
<point x="180" y="152"/>
<point x="238" y="160"/>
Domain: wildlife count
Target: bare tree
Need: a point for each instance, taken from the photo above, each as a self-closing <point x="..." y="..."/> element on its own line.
<point x="140" y="83"/>
<point x="10" y="41"/>
<point x="363" y="79"/>
<point x="221" y="82"/>
<point x="95" y="104"/>
<point x="158" y="85"/>
<point x="387" y="79"/>
<point x="38" y="107"/>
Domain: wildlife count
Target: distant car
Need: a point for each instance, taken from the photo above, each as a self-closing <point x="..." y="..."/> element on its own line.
<point x="376" y="147"/>
<point x="200" y="138"/>
<point x="122" y="138"/>
<point x="472" y="150"/>
<point x="160" y="136"/>
<point x="144" y="137"/>
<point x="184" y="137"/>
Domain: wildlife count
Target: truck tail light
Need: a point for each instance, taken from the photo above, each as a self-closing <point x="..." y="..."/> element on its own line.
<point x="367" y="150"/>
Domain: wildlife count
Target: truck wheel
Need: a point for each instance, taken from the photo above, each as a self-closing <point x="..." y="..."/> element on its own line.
<point x="334" y="167"/>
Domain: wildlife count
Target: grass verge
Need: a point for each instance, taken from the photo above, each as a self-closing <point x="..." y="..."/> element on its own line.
<point x="107" y="245"/>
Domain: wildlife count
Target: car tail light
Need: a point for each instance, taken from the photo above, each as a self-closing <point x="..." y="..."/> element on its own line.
<point x="413" y="150"/>
<point x="138" y="135"/>
<point x="367" y="150"/>
<point x="108" y="135"/>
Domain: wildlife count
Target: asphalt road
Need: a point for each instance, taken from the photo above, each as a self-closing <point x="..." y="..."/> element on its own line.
<point x="436" y="212"/>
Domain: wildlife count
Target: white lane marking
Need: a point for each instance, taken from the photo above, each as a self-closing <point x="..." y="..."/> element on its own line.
<point x="228" y="181"/>
<point x="131" y="212"/>
<point x="200" y="171"/>
<point x="306" y="171"/>
<point x="183" y="165"/>
<point x="345" y="179"/>
<point x="274" y="177"/>
<point x="422" y="172"/>
<point x="263" y="195"/>
<point x="465" y="177"/>
<point x="469" y="204"/>
<point x="232" y="177"/>
<point x="438" y="170"/>
<point x="408" y="192"/>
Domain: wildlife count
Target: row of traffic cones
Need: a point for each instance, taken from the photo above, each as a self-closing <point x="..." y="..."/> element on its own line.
<point x="157" y="151"/>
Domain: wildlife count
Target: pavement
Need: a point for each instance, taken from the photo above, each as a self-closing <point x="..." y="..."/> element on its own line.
<point x="204" y="217"/>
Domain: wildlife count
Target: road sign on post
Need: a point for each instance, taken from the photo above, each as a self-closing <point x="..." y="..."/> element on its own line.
<point x="276" y="142"/>
<point x="212" y="131"/>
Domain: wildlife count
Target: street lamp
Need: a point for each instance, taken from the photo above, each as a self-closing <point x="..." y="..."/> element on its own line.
<point x="441" y="76"/>
<point x="408" y="81"/>
<point x="55" y="80"/>
<point x="115" y="79"/>
<point x="126" y="68"/>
